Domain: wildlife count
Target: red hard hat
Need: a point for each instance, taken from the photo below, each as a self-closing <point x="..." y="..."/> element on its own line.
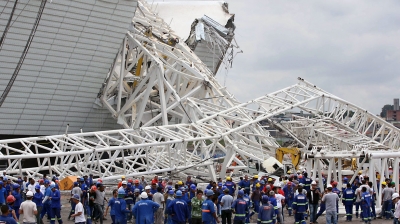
<point x="41" y="181"/>
<point x="130" y="181"/>
<point x="136" y="181"/>
<point x="94" y="188"/>
<point x="10" y="199"/>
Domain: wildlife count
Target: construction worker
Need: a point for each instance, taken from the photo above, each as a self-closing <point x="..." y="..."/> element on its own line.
<point x="240" y="208"/>
<point x="274" y="203"/>
<point x="169" y="199"/>
<point x="300" y="207"/>
<point x="255" y="181"/>
<point x="18" y="198"/>
<point x="230" y="185"/>
<point x="5" y="215"/>
<point x="79" y="212"/>
<point x="226" y="204"/>
<point x="348" y="202"/>
<point x="373" y="197"/>
<point x="357" y="193"/>
<point x="178" y="209"/>
<point x="266" y="212"/>
<point x="110" y="204"/>
<point x="396" y="202"/>
<point x="120" y="208"/>
<point x="336" y="191"/>
<point x="55" y="205"/>
<point x="256" y="197"/>
<point x="366" y="205"/>
<point x="10" y="202"/>
<point x="144" y="210"/>
<point x="288" y="189"/>
<point x="387" y="193"/>
<point x="208" y="212"/>
<point x="245" y="185"/>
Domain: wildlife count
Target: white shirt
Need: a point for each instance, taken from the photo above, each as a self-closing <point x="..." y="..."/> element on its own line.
<point x="42" y="189"/>
<point x="279" y="199"/>
<point x="31" y="188"/>
<point x="397" y="210"/>
<point x="79" y="208"/>
<point x="28" y="207"/>
<point x="159" y="199"/>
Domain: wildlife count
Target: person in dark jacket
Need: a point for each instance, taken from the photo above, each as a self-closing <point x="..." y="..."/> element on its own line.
<point x="313" y="196"/>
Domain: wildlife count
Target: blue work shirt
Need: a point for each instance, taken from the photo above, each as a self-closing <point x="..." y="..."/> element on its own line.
<point x="144" y="211"/>
<point x="207" y="210"/>
<point x="111" y="203"/>
<point x="179" y="210"/>
<point x="18" y="199"/>
<point x="7" y="219"/>
<point x="300" y="203"/>
<point x="55" y="199"/>
<point x="366" y="199"/>
<point x="348" y="196"/>
<point x="37" y="199"/>
<point x="120" y="209"/>
<point x="241" y="209"/>
<point x="231" y="186"/>
<point x="266" y="213"/>
<point x="3" y="195"/>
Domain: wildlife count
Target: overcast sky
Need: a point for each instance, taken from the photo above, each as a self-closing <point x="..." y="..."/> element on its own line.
<point x="349" y="48"/>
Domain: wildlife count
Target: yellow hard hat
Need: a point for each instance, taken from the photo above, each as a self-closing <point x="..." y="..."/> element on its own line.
<point x="123" y="177"/>
<point x="180" y="183"/>
<point x="255" y="176"/>
<point x="384" y="183"/>
<point x="258" y="185"/>
<point x="228" y="178"/>
<point x="360" y="172"/>
<point x="289" y="172"/>
<point x="270" y="179"/>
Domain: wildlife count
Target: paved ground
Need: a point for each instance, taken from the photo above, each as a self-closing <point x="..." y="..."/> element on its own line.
<point x="288" y="219"/>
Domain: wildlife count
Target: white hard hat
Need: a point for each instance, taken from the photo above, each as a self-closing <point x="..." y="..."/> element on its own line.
<point x="147" y="187"/>
<point x="124" y="182"/>
<point x="329" y="186"/>
<point x="29" y="194"/>
<point x="144" y="195"/>
<point x="277" y="185"/>
<point x="395" y="195"/>
<point x="312" y="183"/>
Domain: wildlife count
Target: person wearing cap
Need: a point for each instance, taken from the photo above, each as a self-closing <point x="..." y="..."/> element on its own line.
<point x="75" y="190"/>
<point x="3" y="194"/>
<point x="256" y="197"/>
<point x="158" y="198"/>
<point x="123" y="186"/>
<point x="129" y="198"/>
<point x="46" y="201"/>
<point x="147" y="190"/>
<point x="331" y="199"/>
<point x="387" y="193"/>
<point x="5" y="215"/>
<point x="10" y="203"/>
<point x="28" y="209"/>
<point x="240" y="208"/>
<point x="366" y="205"/>
<point x="85" y="189"/>
<point x="120" y="208"/>
<point x="121" y="182"/>
<point x="373" y="195"/>
<point x="168" y="200"/>
<point x="110" y="204"/>
<point x="37" y="199"/>
<point x="154" y="180"/>
<point x="255" y="181"/>
<point x="178" y="209"/>
<point x="266" y="212"/>
<point x="79" y="212"/>
<point x="55" y="205"/>
<point x="196" y="203"/>
<point x="190" y="195"/>
<point x="313" y="196"/>
<point x="208" y="212"/>
<point x="300" y="206"/>
<point x="226" y="204"/>
<point x="396" y="202"/>
<point x="18" y="198"/>
<point x="144" y="210"/>
<point x="307" y="182"/>
<point x="274" y="203"/>
<point x="348" y="202"/>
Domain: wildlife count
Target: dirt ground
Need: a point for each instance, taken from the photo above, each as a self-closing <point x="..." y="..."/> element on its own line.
<point x="288" y="219"/>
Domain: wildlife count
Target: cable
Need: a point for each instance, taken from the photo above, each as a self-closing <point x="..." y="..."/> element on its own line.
<point x="26" y="49"/>
<point x="3" y="37"/>
<point x="5" y="6"/>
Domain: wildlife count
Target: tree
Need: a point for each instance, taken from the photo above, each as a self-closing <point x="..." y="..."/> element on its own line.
<point x="385" y="109"/>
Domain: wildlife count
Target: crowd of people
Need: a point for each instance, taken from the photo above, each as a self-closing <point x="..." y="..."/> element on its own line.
<point x="163" y="201"/>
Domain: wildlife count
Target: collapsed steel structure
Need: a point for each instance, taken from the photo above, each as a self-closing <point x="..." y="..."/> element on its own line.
<point x="177" y="116"/>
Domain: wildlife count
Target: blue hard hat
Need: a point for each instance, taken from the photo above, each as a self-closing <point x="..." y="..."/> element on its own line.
<point x="205" y="191"/>
<point x="52" y="186"/>
<point x="265" y="198"/>
<point x="1" y="183"/>
<point x="210" y="193"/>
<point x="37" y="186"/>
<point x="345" y="178"/>
<point x="224" y="187"/>
<point x="5" y="178"/>
<point x="15" y="186"/>
<point x="179" y="193"/>
<point x="75" y="183"/>
<point x="182" y="189"/>
<point x="262" y="182"/>
<point x="171" y="192"/>
<point x="137" y="190"/>
<point x="240" y="193"/>
<point x="81" y="179"/>
<point x="193" y="187"/>
<point x="46" y="181"/>
<point x="121" y="191"/>
<point x="19" y="180"/>
<point x="129" y="184"/>
<point x="169" y="188"/>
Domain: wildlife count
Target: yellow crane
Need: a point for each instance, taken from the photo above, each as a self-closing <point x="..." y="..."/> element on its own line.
<point x="294" y="154"/>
